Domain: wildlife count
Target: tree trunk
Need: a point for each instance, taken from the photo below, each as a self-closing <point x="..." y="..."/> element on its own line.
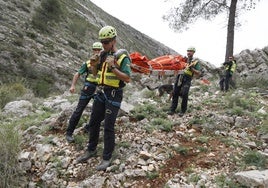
<point x="230" y="30"/>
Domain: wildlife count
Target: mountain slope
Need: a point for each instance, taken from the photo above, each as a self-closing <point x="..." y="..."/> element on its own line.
<point x="42" y="46"/>
<point x="45" y="45"/>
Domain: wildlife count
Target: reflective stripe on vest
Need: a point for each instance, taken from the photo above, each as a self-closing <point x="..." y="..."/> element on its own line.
<point x="90" y="77"/>
<point x="188" y="71"/>
<point x="231" y="67"/>
<point x="107" y="77"/>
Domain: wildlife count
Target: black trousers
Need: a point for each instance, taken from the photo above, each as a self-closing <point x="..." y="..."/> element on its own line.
<point x="87" y="93"/>
<point x="226" y="81"/>
<point x="181" y="88"/>
<point x="105" y="107"/>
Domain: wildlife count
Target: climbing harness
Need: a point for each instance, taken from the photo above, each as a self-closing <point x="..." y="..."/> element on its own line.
<point x="102" y="97"/>
<point x="84" y="95"/>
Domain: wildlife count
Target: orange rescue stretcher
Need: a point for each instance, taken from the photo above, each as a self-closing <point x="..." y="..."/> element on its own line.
<point x="163" y="65"/>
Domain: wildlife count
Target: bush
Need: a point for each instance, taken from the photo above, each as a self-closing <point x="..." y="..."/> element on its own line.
<point x="256" y="159"/>
<point x="46" y="14"/>
<point x="147" y="110"/>
<point x="51" y="8"/>
<point x="10" y="92"/>
<point x="162" y="124"/>
<point x="41" y="80"/>
<point x="31" y="35"/>
<point x="9" y="165"/>
<point x="78" y="27"/>
<point x="73" y="44"/>
<point x="241" y="104"/>
<point x="223" y="181"/>
<point x="41" y="88"/>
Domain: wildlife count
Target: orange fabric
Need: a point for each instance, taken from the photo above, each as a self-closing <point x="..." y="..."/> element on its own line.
<point x="139" y="63"/>
<point x="205" y="81"/>
<point x="167" y="62"/>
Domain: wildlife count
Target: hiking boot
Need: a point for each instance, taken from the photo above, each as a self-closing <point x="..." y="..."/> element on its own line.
<point x="170" y="112"/>
<point x="86" y="156"/>
<point x="69" y="138"/>
<point x="103" y="165"/>
<point x="181" y="114"/>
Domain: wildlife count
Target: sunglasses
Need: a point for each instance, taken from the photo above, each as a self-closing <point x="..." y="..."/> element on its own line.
<point x="106" y="41"/>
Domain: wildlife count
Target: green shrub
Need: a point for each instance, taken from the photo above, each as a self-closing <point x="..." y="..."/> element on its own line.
<point x="41" y="88"/>
<point x="182" y="150"/>
<point x="194" y="178"/>
<point x="256" y="159"/>
<point x="149" y="128"/>
<point x="51" y="54"/>
<point x="5" y="96"/>
<point x="198" y="120"/>
<point x="78" y="27"/>
<point x="79" y="141"/>
<point x="239" y="105"/>
<point x="237" y="111"/>
<point x="149" y="94"/>
<point x="52" y="9"/>
<point x="162" y="124"/>
<point x="18" y="41"/>
<point x="263" y="129"/>
<point x="9" y="165"/>
<point x="18" y="55"/>
<point x="39" y="22"/>
<point x="146" y="110"/>
<point x="223" y="181"/>
<point x="124" y="144"/>
<point x="152" y="175"/>
<point x="202" y="139"/>
<point x="49" y="12"/>
<point x="203" y="149"/>
<point x="36" y="119"/>
<point x="10" y="92"/>
<point x="73" y="44"/>
<point x="139" y="116"/>
<point x="228" y="141"/>
<point x="31" y="35"/>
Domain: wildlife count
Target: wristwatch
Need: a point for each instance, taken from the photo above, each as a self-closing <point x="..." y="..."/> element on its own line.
<point x="113" y="67"/>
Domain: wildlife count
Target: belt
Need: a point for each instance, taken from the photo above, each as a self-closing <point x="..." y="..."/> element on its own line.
<point x="90" y="83"/>
<point x="105" y="87"/>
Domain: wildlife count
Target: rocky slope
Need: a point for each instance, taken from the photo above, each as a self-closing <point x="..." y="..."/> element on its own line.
<point x="209" y="147"/>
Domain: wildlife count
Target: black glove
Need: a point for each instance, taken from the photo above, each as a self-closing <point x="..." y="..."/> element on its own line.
<point x="226" y="63"/>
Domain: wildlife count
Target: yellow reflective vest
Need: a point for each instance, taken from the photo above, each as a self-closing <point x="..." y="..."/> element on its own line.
<point x="106" y="76"/>
<point x="90" y="77"/>
<point x="187" y="70"/>
<point x="231" y="68"/>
